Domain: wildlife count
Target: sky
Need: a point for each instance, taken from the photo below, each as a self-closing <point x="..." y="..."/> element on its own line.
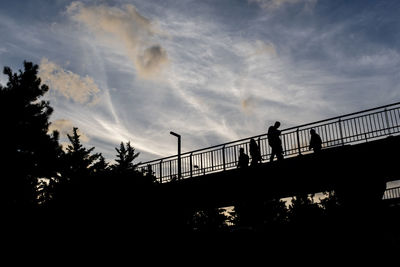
<point x="211" y="70"/>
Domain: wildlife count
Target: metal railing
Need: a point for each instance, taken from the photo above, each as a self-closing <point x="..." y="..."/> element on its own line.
<point x="362" y="126"/>
<point x="392" y="193"/>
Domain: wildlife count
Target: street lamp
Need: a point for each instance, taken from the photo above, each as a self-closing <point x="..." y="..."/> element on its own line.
<point x="179" y="154"/>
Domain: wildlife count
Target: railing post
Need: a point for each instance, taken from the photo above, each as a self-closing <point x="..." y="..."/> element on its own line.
<point x="341" y="132"/>
<point x="387" y="121"/>
<point x="179" y="159"/>
<point x="212" y="160"/>
<point x="223" y="157"/>
<point x="161" y="171"/>
<point x="191" y="165"/>
<point x="298" y="141"/>
<point x="170" y="169"/>
<point x="235" y="159"/>
<point x="201" y="163"/>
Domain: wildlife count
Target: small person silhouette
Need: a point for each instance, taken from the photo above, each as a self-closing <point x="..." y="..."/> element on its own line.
<point x="243" y="161"/>
<point x="315" y="142"/>
<point x="275" y="142"/>
<point x="254" y="153"/>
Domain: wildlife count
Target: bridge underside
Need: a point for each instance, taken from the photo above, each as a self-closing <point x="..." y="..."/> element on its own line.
<point x="354" y="171"/>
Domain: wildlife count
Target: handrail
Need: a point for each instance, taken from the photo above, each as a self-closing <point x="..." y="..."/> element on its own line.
<point x="392" y="193"/>
<point x="339" y="130"/>
<point x="284" y="130"/>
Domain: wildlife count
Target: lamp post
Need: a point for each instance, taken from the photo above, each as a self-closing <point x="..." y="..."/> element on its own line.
<point x="179" y="154"/>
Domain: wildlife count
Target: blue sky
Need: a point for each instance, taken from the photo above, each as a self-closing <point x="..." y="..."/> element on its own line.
<point x="213" y="71"/>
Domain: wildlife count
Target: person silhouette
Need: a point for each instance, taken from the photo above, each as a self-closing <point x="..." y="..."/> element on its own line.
<point x="275" y="142"/>
<point x="243" y="159"/>
<point x="254" y="153"/>
<point x="315" y="141"/>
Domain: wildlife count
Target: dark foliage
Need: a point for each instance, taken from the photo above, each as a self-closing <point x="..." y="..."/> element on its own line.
<point x="28" y="151"/>
<point x="55" y="187"/>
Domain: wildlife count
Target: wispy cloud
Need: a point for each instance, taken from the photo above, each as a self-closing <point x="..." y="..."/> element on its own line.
<point x="274" y="4"/>
<point x="224" y="76"/>
<point x="126" y="27"/>
<point x="70" y="85"/>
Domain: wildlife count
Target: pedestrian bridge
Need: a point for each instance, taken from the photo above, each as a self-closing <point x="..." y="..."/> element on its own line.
<point x="359" y="156"/>
<point x="364" y="126"/>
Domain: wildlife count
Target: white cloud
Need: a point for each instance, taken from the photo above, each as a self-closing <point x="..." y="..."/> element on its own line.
<point x="70" y="85"/>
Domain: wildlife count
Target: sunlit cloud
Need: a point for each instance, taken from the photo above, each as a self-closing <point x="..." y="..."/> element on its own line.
<point x="265" y="48"/>
<point x="127" y="28"/>
<point x="248" y="105"/>
<point x="65" y="127"/>
<point x="151" y="60"/>
<point x="68" y="84"/>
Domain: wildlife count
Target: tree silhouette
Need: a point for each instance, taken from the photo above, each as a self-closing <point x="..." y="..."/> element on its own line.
<point x="209" y="220"/>
<point x="261" y="215"/>
<point x="28" y="151"/>
<point x="125" y="157"/>
<point x="79" y="169"/>
<point x="275" y="212"/>
<point x="304" y="210"/>
<point x="80" y="161"/>
<point x="100" y="167"/>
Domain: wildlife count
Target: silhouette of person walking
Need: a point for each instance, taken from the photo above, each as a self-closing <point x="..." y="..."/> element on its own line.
<point x="254" y="153"/>
<point x="275" y="142"/>
<point x="315" y="142"/>
<point x="243" y="159"/>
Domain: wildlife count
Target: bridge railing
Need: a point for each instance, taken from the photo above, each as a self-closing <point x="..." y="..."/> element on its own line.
<point x="351" y="128"/>
<point x="392" y="193"/>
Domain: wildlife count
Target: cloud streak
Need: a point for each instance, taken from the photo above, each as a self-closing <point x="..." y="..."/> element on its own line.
<point x="274" y="4"/>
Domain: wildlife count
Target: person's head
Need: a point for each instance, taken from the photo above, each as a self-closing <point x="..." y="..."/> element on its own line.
<point x="312" y="131"/>
<point x="277" y="124"/>
<point x="241" y="150"/>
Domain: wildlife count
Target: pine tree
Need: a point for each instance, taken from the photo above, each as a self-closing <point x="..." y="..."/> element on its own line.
<point x="29" y="153"/>
<point x="80" y="163"/>
<point x="80" y="177"/>
<point x="100" y="167"/>
<point x="125" y="157"/>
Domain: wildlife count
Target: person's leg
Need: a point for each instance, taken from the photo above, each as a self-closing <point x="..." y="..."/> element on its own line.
<point x="279" y="154"/>
<point x="273" y="152"/>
